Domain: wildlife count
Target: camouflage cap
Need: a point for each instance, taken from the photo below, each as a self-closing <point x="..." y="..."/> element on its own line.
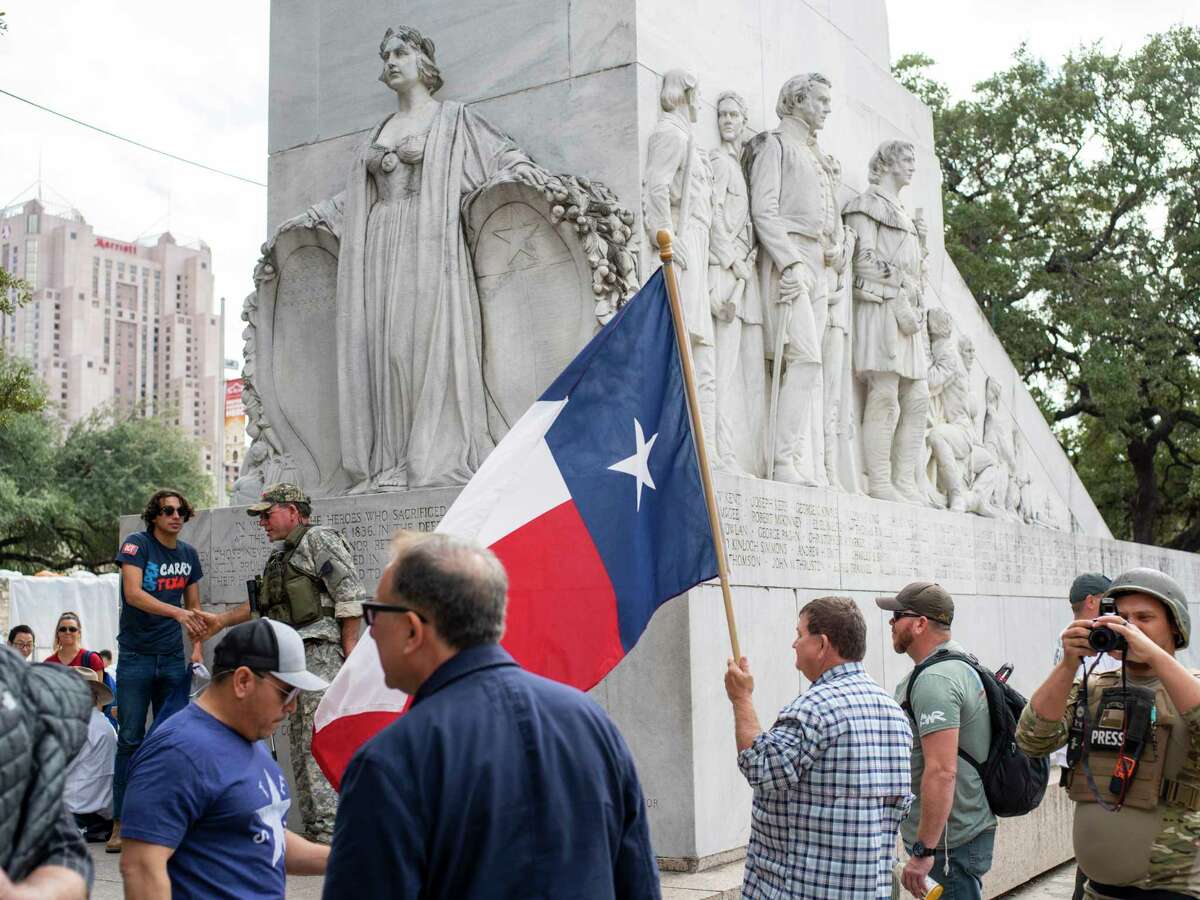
<point x="1161" y="587"/>
<point x="925" y="598"/>
<point x="283" y="492"/>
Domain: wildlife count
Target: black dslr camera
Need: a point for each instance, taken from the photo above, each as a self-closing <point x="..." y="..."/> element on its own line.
<point x="1103" y="639"/>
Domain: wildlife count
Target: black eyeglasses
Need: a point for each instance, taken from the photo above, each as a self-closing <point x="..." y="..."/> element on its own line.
<point x="170" y="510"/>
<point x="371" y="610"/>
<point x="897" y="616"/>
<point x="68" y="628"/>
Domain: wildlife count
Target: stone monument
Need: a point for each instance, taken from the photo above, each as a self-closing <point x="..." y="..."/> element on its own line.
<point x="538" y="261"/>
<point x="444" y="230"/>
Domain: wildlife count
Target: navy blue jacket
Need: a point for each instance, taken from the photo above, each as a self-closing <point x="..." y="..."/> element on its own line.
<point x="495" y="784"/>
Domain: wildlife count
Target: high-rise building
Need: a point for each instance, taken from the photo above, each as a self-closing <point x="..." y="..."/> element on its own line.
<point x="235" y="432"/>
<point x="116" y="321"/>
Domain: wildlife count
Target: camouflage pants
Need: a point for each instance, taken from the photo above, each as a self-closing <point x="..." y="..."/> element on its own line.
<point x="318" y="800"/>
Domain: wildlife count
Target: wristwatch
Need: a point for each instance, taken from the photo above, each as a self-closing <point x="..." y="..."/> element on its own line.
<point x="920" y="851"/>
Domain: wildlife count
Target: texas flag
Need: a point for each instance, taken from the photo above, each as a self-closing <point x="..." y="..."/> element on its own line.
<point x="593" y="502"/>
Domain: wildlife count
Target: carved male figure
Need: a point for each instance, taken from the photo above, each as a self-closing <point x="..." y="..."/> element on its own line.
<point x="965" y="468"/>
<point x="888" y="353"/>
<point x="997" y="439"/>
<point x="677" y="196"/>
<point x="733" y="293"/>
<point x="792" y="203"/>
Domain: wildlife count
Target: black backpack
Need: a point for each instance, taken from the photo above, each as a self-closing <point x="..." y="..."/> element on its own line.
<point x="1013" y="782"/>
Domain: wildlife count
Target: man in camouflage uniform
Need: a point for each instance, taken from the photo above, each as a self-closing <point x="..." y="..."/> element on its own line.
<point x="1148" y="845"/>
<point x="310" y="583"/>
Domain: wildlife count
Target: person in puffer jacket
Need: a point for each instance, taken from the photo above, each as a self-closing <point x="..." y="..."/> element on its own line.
<point x="44" y="713"/>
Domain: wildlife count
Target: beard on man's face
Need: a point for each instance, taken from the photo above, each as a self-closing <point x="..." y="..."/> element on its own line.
<point x="901" y="641"/>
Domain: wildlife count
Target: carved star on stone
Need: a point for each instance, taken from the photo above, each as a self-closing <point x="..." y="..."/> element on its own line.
<point x="518" y="238"/>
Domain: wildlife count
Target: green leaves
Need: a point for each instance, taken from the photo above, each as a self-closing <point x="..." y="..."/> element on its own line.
<point x="1072" y="206"/>
<point x="61" y="493"/>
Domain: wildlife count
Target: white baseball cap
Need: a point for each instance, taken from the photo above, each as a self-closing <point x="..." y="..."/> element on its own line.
<point x="265" y="645"/>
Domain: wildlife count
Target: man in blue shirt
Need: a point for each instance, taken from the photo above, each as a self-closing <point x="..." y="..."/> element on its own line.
<point x="206" y="803"/>
<point x="495" y="783"/>
<point x="160" y="591"/>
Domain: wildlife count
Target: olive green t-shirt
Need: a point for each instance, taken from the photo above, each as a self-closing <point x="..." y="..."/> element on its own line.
<point x="950" y="695"/>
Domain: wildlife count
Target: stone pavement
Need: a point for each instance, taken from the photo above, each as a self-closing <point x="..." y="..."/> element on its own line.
<point x="722" y="883"/>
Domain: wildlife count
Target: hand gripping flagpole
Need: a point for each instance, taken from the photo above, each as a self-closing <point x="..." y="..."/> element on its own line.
<point x="689" y="384"/>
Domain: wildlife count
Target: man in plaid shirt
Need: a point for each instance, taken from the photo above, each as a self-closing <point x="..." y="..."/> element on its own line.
<point x="831" y="777"/>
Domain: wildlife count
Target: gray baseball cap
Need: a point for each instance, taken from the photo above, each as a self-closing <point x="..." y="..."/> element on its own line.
<point x="1088" y="584"/>
<point x="925" y="598"/>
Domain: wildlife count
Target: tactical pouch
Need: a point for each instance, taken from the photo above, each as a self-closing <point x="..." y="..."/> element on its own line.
<point x="1131" y="710"/>
<point x="303" y="597"/>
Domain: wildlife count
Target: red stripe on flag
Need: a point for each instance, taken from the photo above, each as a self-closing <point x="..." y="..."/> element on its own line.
<point x="337" y="742"/>
<point x="562" y="611"/>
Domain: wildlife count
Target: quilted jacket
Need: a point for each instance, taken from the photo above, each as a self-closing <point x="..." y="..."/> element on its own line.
<point x="44" y="713"/>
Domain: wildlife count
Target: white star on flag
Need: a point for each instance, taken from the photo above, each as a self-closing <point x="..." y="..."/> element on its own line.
<point x="638" y="465"/>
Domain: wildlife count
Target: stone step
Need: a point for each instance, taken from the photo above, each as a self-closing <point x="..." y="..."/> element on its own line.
<point x="722" y="883"/>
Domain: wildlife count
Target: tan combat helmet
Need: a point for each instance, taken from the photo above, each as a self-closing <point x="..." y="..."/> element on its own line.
<point x="1160" y="586"/>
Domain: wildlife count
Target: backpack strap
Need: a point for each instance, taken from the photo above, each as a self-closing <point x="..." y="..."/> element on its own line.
<point x="939" y="657"/>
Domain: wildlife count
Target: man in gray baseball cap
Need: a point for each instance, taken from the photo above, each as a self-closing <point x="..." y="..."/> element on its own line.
<point x="206" y="801"/>
<point x="950" y="817"/>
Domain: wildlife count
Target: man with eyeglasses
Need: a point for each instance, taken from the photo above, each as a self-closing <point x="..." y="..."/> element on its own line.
<point x="950" y="830"/>
<point x="160" y="590"/>
<point x="495" y="783"/>
<point x="206" y="802"/>
<point x="310" y="583"/>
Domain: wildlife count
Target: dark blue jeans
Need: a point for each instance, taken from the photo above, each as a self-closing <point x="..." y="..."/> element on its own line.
<point x="969" y="862"/>
<point x="147" y="681"/>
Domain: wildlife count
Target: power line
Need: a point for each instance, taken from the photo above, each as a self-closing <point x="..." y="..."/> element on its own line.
<point x="190" y="162"/>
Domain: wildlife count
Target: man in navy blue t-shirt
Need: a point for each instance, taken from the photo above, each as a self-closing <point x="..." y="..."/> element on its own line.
<point x="206" y="803"/>
<point x="160" y="591"/>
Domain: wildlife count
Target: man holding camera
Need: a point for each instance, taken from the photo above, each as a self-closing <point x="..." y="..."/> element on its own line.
<point x="311" y="584"/>
<point x="1133" y="740"/>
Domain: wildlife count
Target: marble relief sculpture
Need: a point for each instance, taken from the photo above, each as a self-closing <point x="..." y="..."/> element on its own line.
<point x="419" y="270"/>
<point x="677" y="195"/>
<point x="998" y="438"/>
<point x="735" y="301"/>
<point x="889" y="354"/>
<point x="802" y="249"/>
<point x="965" y="469"/>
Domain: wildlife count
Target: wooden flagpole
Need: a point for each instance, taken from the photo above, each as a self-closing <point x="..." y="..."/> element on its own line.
<point x="689" y="385"/>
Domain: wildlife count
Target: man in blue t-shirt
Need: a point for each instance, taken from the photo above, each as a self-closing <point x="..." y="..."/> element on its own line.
<point x="206" y="803"/>
<point x="160" y="591"/>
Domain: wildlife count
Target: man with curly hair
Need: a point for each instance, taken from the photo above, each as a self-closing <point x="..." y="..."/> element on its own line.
<point x="160" y="591"/>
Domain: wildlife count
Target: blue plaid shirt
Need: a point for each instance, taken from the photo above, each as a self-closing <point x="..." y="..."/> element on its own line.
<point x="831" y="783"/>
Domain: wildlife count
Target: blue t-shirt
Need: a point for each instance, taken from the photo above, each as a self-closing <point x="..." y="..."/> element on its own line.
<point x="197" y="785"/>
<point x="166" y="573"/>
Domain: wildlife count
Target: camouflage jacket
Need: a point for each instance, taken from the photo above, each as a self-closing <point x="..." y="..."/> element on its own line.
<point x="1151" y="849"/>
<point x="323" y="553"/>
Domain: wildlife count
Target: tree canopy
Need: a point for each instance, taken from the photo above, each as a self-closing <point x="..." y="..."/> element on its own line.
<point x="1072" y="209"/>
<point x="62" y="491"/>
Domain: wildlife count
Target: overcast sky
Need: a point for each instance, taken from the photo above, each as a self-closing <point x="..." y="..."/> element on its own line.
<point x="191" y="79"/>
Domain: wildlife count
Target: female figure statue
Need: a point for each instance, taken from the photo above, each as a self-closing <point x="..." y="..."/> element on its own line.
<point x="410" y="385"/>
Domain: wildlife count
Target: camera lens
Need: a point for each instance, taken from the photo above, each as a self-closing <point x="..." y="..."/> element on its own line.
<point x="1105" y="640"/>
